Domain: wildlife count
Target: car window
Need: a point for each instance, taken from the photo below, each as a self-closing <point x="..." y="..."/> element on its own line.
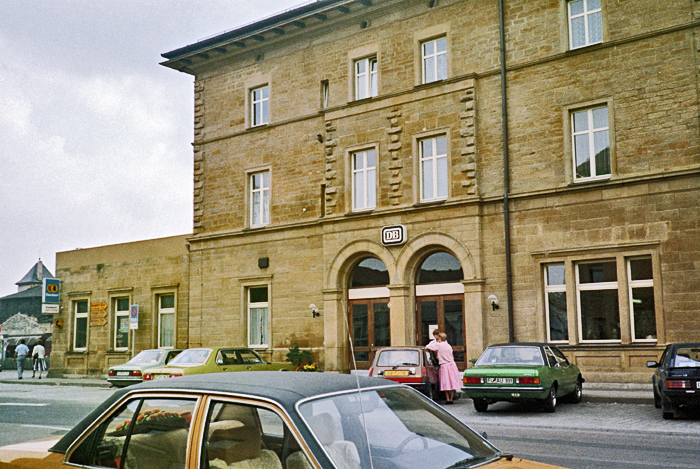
<point x="172" y="354"/>
<point x="150" y="432"/>
<point x="249" y="357"/>
<point x="399" y="358"/>
<point x="227" y="357"/>
<point x="147" y="357"/>
<point x="191" y="357"/>
<point x="550" y="357"/>
<point x="240" y="435"/>
<point x="688" y="357"/>
<point x="511" y="355"/>
<point x="561" y="358"/>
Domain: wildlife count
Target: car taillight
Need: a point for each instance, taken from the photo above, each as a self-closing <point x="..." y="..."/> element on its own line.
<point x="174" y="375"/>
<point x="528" y="380"/>
<point x="370" y="371"/>
<point x="424" y="371"/>
<point x="472" y="380"/>
<point x="678" y="384"/>
<point x="111" y="373"/>
<point x="135" y="372"/>
<point x="147" y="377"/>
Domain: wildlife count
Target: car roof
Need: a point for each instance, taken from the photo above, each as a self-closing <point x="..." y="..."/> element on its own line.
<point x="284" y="387"/>
<point x="523" y="344"/>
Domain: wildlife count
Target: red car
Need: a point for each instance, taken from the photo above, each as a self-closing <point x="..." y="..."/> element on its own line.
<point x="413" y="366"/>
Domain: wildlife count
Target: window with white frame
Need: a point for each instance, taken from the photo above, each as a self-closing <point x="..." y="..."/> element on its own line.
<point x="258" y="316"/>
<point x="366" y="78"/>
<point x="591" y="143"/>
<point x="433" y="168"/>
<point x="81" y="311"/>
<point x="260" y="198"/>
<point x="259" y="106"/>
<point x="598" y="301"/>
<point x="364" y="180"/>
<point x="121" y="323"/>
<point x="434" y="59"/>
<point x="555" y="303"/>
<point x="585" y="23"/>
<point x="641" y="297"/>
<point x="166" y="320"/>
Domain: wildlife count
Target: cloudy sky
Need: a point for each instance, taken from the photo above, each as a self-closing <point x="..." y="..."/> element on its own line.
<point x="95" y="135"/>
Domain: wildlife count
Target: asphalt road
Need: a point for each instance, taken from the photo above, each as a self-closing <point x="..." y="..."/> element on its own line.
<point x="589" y="435"/>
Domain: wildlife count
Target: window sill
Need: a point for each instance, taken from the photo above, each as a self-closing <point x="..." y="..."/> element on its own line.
<point x="359" y="213"/>
<point x="583" y="182"/>
<point x="428" y="203"/>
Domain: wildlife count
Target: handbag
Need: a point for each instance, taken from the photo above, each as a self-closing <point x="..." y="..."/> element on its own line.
<point x="36" y="356"/>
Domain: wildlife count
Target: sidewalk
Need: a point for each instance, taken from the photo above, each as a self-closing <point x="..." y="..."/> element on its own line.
<point x="10" y="377"/>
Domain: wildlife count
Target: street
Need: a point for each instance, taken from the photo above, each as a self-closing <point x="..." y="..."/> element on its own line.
<point x="590" y="435"/>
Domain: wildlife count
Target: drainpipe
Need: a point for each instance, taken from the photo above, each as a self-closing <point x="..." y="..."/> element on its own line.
<point x="506" y="172"/>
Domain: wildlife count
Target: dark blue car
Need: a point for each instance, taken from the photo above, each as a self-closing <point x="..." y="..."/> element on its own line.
<point x="677" y="378"/>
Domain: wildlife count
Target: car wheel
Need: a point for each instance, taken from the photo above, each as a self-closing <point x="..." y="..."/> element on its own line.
<point x="550" y="403"/>
<point x="576" y="396"/>
<point x="657" y="399"/>
<point x="481" y="405"/>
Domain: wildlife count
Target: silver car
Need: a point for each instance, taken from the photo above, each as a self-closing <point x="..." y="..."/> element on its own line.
<point x="132" y="371"/>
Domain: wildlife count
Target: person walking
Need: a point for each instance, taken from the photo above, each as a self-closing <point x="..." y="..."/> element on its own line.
<point x="38" y="358"/>
<point x="20" y="354"/>
<point x="450" y="380"/>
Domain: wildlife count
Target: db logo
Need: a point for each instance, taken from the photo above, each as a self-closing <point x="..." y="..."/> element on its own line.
<point x="393" y="235"/>
<point x="52" y="288"/>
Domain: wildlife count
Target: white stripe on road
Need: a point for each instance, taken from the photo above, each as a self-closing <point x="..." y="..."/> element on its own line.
<point x="24" y="404"/>
<point x="46" y="426"/>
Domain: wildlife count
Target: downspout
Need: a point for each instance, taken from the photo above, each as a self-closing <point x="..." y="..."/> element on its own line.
<point x="506" y="172"/>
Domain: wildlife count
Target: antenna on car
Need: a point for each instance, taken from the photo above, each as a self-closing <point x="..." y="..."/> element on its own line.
<point x="357" y="380"/>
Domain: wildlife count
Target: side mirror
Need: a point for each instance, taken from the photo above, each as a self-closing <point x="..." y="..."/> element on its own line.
<point x="220" y="361"/>
<point x="652" y="364"/>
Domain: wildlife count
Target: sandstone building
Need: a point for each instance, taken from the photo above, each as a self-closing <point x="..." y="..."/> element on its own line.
<point x="366" y="170"/>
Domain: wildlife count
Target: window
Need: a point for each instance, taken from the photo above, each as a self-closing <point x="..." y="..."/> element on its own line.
<point x="260" y="198"/>
<point x="434" y="58"/>
<point x="641" y="295"/>
<point x="80" y="311"/>
<point x="121" y="323"/>
<point x="433" y="168"/>
<point x="258" y="317"/>
<point x="364" y="180"/>
<point x="585" y="23"/>
<point x="555" y="303"/>
<point x="591" y="143"/>
<point x="366" y="78"/>
<point x="598" y="305"/>
<point x="325" y="94"/>
<point x="166" y="320"/>
<point x="260" y="103"/>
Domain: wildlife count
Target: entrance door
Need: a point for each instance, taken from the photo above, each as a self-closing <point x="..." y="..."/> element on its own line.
<point x="369" y="326"/>
<point x="447" y="313"/>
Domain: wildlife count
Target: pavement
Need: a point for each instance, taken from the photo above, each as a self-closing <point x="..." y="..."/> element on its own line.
<point x="628" y="393"/>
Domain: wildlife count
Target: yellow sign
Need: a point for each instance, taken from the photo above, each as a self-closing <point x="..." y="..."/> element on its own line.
<point x="98" y="306"/>
<point x="98" y="321"/>
<point x="98" y="314"/>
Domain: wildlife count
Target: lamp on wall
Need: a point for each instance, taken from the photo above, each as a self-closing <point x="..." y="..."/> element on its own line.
<point x="314" y="310"/>
<point x="493" y="299"/>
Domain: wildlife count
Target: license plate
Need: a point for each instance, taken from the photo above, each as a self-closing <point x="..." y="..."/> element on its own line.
<point x="159" y="376"/>
<point x="396" y="373"/>
<point x="122" y="373"/>
<point x="499" y="380"/>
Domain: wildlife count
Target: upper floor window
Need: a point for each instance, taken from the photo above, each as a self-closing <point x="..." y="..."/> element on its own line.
<point x="585" y="23"/>
<point x="258" y="316"/>
<point x="364" y="180"/>
<point x="260" y="104"/>
<point x="366" y="78"/>
<point x="260" y="198"/>
<point x="166" y="320"/>
<point x="121" y="323"/>
<point x="591" y="143"/>
<point x="433" y="168"/>
<point x="434" y="58"/>
<point x="80" y="326"/>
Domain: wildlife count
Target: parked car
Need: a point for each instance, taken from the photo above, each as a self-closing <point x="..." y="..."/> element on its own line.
<point x="132" y="371"/>
<point x="676" y="381"/>
<point x="196" y="361"/>
<point x="266" y="420"/>
<point x="518" y="372"/>
<point x="413" y="366"/>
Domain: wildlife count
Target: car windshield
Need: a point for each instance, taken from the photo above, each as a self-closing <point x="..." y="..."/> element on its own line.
<point x="147" y="356"/>
<point x="511" y="355"/>
<point x="687" y="357"/>
<point x="401" y="428"/>
<point x="399" y="358"/>
<point x="191" y="357"/>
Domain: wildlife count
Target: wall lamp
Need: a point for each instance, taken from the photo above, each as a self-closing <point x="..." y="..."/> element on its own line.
<point x="493" y="299"/>
<point x="314" y="310"/>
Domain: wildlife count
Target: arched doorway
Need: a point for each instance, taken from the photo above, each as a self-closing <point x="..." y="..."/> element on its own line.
<point x="440" y="302"/>
<point x="368" y="315"/>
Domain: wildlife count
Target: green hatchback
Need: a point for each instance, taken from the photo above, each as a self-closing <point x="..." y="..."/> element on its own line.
<point x="534" y="372"/>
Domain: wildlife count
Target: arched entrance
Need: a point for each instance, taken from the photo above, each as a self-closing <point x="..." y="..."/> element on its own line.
<point x="368" y="312"/>
<point x="440" y="302"/>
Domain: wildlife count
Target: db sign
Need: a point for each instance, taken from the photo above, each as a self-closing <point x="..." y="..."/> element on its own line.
<point x="393" y="235"/>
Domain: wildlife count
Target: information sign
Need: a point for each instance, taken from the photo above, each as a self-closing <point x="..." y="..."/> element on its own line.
<point x="52" y="290"/>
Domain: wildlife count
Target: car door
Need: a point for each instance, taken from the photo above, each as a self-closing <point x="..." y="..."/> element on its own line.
<point x="251" y="361"/>
<point x="570" y="372"/>
<point x="556" y="371"/>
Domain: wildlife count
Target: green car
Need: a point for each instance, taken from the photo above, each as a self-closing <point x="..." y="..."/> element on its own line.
<point x="518" y="372"/>
<point x="197" y="361"/>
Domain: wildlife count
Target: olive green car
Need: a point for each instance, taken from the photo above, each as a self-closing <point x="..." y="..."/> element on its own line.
<point x="196" y="361"/>
<point x="530" y="372"/>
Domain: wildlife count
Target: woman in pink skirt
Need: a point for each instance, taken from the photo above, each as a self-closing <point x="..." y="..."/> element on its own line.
<point x="449" y="374"/>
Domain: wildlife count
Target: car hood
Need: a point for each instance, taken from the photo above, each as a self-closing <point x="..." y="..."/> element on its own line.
<point x="502" y="370"/>
<point x="32" y="454"/>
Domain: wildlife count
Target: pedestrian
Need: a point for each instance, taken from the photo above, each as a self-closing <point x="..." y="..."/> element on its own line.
<point x="20" y="354"/>
<point x="449" y="373"/>
<point x="38" y="358"/>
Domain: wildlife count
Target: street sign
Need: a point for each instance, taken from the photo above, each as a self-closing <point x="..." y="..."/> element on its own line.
<point x="49" y="308"/>
<point x="98" y="306"/>
<point x="52" y="290"/>
<point x="134" y="317"/>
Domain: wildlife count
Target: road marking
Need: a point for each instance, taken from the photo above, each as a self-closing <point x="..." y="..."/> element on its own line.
<point x="50" y="428"/>
<point x="23" y="404"/>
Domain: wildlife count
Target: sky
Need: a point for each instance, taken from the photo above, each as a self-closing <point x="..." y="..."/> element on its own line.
<point x="95" y="135"/>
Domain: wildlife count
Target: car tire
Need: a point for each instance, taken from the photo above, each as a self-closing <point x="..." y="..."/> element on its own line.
<point x="481" y="405"/>
<point x="576" y="396"/>
<point x="550" y="402"/>
<point x="657" y="399"/>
